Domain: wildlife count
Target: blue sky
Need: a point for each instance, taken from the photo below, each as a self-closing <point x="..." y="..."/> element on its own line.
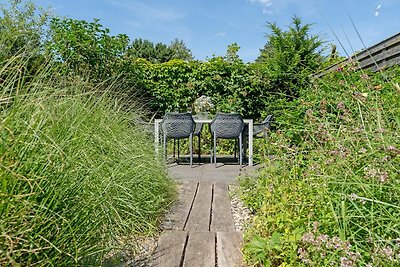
<point x="208" y="26"/>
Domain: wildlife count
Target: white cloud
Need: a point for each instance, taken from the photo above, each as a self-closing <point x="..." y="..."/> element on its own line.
<point x="220" y="34"/>
<point x="263" y="2"/>
<point x="266" y="5"/>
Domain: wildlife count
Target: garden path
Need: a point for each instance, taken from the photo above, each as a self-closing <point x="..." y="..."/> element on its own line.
<point x="199" y="230"/>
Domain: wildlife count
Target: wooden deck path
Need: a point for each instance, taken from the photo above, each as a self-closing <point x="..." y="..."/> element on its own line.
<point x="199" y="231"/>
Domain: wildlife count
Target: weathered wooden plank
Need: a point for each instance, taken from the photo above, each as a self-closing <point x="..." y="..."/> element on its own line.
<point x="365" y="62"/>
<point x="229" y="249"/>
<point x="199" y="217"/>
<point x="170" y="249"/>
<point x="221" y="218"/>
<point x="200" y="250"/>
<point x="385" y="44"/>
<point x="385" y="53"/>
<point x="176" y="218"/>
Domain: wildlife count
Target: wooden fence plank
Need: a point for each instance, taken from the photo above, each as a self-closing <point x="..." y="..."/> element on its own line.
<point x="221" y="218"/>
<point x="385" y="54"/>
<point x="170" y="249"/>
<point x="200" y="250"/>
<point x="229" y="249"/>
<point x="199" y="217"/>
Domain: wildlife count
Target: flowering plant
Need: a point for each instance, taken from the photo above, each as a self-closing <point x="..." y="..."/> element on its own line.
<point x="203" y="104"/>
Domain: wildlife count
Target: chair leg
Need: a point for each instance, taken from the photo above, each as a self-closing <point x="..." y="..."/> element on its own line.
<point x="215" y="150"/>
<point x="178" y="149"/>
<point x="234" y="149"/>
<point x="240" y="151"/>
<point x="244" y="139"/>
<point x="174" y="146"/>
<point x="165" y="147"/>
<point x="191" y="149"/>
<point x="199" y="136"/>
<point x="211" y="151"/>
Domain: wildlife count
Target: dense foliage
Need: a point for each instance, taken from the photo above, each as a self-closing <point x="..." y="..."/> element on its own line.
<point x="232" y="86"/>
<point x="78" y="175"/>
<point x="86" y="47"/>
<point x="159" y="53"/>
<point x="168" y="78"/>
<point x="291" y="56"/>
<point x="329" y="194"/>
<point x="22" y="28"/>
<point x="252" y="89"/>
<point x="79" y="179"/>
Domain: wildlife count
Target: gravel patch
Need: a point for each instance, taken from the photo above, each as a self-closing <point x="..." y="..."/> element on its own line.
<point x="133" y="252"/>
<point x="241" y="214"/>
<point x="146" y="248"/>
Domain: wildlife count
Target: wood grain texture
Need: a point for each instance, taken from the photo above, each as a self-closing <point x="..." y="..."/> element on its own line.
<point x="199" y="217"/>
<point x="170" y="249"/>
<point x="229" y="249"/>
<point x="200" y="250"/>
<point x="221" y="219"/>
<point x="176" y="218"/>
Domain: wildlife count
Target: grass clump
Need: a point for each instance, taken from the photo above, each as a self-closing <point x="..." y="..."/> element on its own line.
<point x="77" y="174"/>
<point x="330" y="192"/>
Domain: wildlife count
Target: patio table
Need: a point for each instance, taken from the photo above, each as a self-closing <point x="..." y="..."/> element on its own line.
<point x="249" y="122"/>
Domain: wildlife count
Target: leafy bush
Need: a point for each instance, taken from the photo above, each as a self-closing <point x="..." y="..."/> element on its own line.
<point x="232" y="86"/>
<point x="331" y="196"/>
<point x="159" y="53"/>
<point x="86" y="47"/>
<point x="22" y="30"/>
<point x="76" y="174"/>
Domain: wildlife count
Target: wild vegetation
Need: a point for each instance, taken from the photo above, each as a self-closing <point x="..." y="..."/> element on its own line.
<point x="78" y="176"/>
<point x="329" y="194"/>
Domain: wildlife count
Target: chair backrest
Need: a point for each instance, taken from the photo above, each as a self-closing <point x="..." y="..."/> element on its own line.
<point x="269" y="119"/>
<point x="177" y="125"/>
<point x="227" y="125"/>
<point x="261" y="129"/>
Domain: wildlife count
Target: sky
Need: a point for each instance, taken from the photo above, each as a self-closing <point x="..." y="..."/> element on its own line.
<point x="207" y="27"/>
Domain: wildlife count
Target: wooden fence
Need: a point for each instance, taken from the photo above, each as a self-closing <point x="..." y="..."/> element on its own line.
<point x="384" y="54"/>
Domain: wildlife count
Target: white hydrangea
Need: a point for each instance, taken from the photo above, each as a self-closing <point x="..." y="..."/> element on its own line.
<point x="203" y="104"/>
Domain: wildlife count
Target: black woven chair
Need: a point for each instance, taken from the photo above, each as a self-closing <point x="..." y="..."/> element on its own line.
<point x="227" y="126"/>
<point x="197" y="132"/>
<point x="260" y="130"/>
<point x="178" y="126"/>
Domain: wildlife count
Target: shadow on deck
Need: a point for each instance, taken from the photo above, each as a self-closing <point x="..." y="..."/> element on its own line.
<point x="226" y="171"/>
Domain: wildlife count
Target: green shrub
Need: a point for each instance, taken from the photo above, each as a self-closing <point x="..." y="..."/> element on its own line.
<point x="232" y="86"/>
<point x="291" y="56"/>
<point x="330" y="193"/>
<point x="77" y="174"/>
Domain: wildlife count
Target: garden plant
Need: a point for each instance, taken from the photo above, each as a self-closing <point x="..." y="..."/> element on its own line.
<point x="329" y="192"/>
<point x="79" y="176"/>
<point x="80" y="182"/>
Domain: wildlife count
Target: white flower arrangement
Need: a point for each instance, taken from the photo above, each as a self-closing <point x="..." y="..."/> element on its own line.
<point x="203" y="104"/>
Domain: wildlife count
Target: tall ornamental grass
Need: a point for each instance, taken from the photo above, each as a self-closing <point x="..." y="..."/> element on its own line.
<point x="330" y="192"/>
<point x="77" y="174"/>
